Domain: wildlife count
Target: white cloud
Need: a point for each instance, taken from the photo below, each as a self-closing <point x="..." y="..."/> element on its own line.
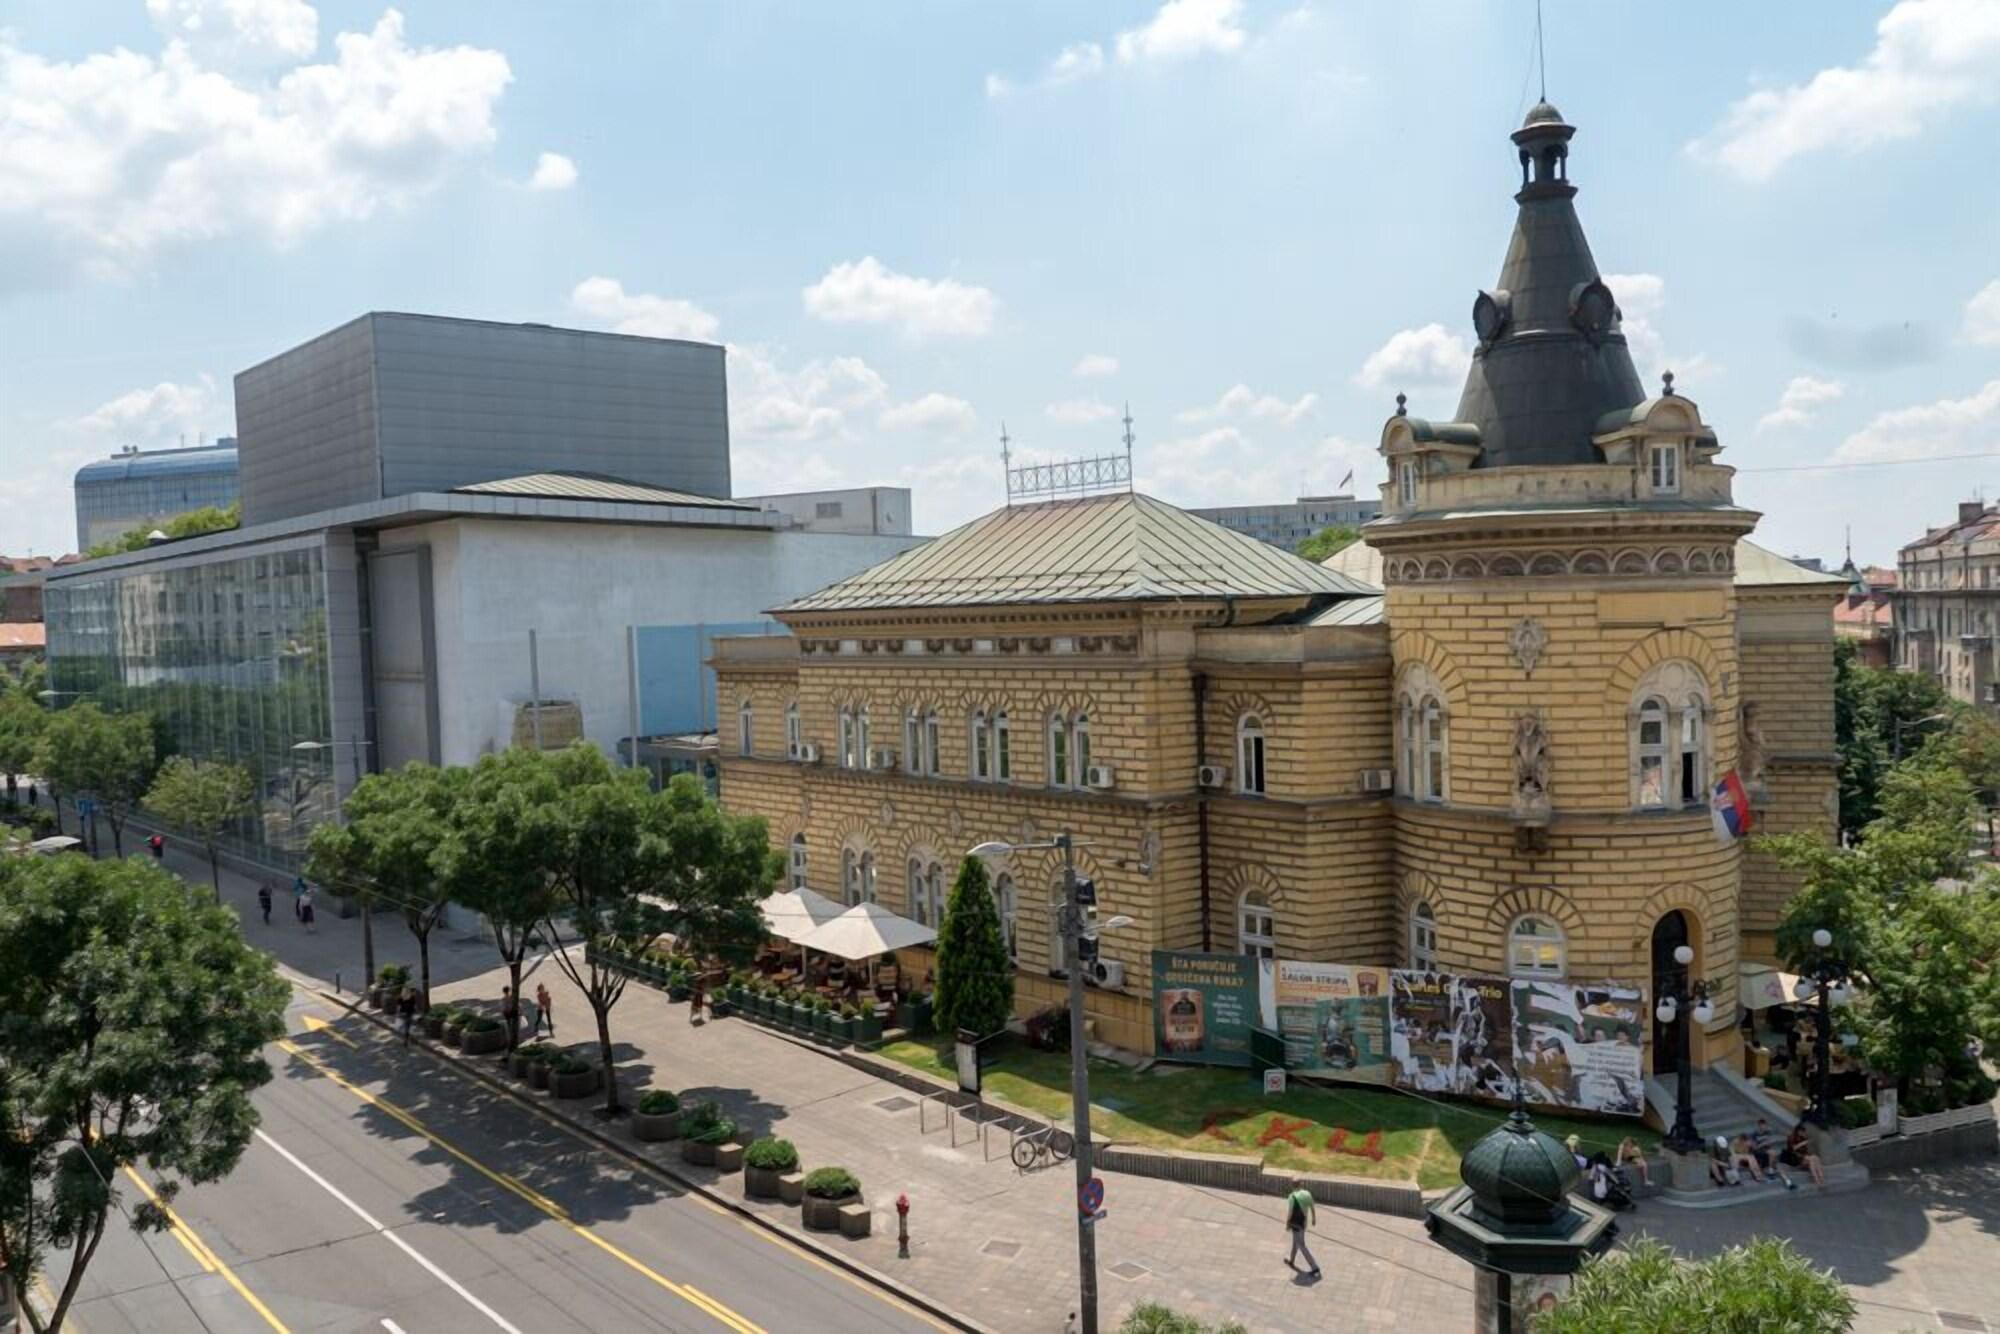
<point x="815" y="401"/>
<point x="1241" y="401"/>
<point x="865" y="291"/>
<point x="1799" y="404"/>
<point x="605" y="301"/>
<point x="118" y="154"/>
<point x="1095" y="365"/>
<point x="1224" y="466"/>
<point x="1949" y="426"/>
<point x="553" y="171"/>
<point x="1184" y="28"/>
<point x="998" y="86"/>
<point x="161" y="414"/>
<point x="1078" y="61"/>
<point x="1929" y="57"/>
<point x="938" y="414"/>
<point x="1982" y="316"/>
<point x="1080" y="411"/>
<point x="1416" y="358"/>
<point x="228" y="32"/>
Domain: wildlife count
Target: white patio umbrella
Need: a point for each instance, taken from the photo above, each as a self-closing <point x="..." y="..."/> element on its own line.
<point x="864" y="931"/>
<point x="792" y="913"/>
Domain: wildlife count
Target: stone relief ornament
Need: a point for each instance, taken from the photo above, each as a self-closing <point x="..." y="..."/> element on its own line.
<point x="1531" y="769"/>
<point x="1527" y="641"/>
<point x="1751" y="752"/>
<point x="954" y="822"/>
<point x="888" y="814"/>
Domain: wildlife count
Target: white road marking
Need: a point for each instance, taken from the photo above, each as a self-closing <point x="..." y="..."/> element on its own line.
<point x="397" y="1241"/>
<point x="392" y="1326"/>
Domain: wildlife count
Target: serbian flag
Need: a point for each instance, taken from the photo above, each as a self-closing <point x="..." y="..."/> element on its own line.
<point x="1730" y="806"/>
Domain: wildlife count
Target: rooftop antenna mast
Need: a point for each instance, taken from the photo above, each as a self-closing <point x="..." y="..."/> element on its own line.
<point x="1541" y="57"/>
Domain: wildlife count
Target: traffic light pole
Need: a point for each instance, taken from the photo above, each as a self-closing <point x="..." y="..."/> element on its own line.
<point x="1079" y="1089"/>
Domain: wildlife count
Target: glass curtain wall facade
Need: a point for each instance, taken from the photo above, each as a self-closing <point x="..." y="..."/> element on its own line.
<point x="230" y="656"/>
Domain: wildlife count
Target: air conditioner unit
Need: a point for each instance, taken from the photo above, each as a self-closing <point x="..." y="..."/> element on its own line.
<point x="808" y="753"/>
<point x="1106" y="973"/>
<point x="1377" y="780"/>
<point x="1211" y="775"/>
<point x="882" y="758"/>
<point x="1099" y="776"/>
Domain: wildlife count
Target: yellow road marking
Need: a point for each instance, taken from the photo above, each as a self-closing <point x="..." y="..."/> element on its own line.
<point x="206" y="1258"/>
<point x="693" y="1297"/>
<point x="315" y="1024"/>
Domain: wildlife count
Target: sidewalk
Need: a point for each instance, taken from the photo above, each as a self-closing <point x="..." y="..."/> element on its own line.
<point x="994" y="1243"/>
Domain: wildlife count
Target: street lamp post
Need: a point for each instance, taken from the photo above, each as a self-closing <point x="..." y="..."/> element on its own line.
<point x="1827" y="976"/>
<point x="1075" y="926"/>
<point x="1688" y="1003"/>
<point x="1896" y="748"/>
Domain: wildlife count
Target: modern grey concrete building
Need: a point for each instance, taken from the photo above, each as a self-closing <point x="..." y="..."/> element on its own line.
<point x="137" y="488"/>
<point x="394" y="404"/>
<point x="1288" y="525"/>
<point x="881" y="510"/>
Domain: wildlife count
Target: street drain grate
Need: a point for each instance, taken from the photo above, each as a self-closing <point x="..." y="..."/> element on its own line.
<point x="895" y="1104"/>
<point x="1953" y="1320"/>
<point x="1129" y="1271"/>
<point x="1002" y="1250"/>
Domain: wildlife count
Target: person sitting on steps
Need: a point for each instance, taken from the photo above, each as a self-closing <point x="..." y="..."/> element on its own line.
<point x="1798" y="1152"/>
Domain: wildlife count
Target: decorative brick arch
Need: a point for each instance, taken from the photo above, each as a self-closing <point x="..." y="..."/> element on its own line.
<point x="1066" y="702"/>
<point x="1414" y="887"/>
<point x="1248" y="878"/>
<point x="1414" y="646"/>
<point x="1543" y="899"/>
<point x="1682" y="896"/>
<point x="1656" y="648"/>
<point x="1235" y="704"/>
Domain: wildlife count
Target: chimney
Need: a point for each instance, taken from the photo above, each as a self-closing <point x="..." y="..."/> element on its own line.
<point x="1969" y="510"/>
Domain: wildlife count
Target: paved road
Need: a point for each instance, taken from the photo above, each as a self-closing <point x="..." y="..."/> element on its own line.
<point x="386" y="1194"/>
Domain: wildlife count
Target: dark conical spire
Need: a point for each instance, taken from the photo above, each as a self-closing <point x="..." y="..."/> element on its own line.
<point x="1551" y="359"/>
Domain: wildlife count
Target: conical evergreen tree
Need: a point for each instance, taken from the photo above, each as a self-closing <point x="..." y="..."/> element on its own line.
<point x="975" y="981"/>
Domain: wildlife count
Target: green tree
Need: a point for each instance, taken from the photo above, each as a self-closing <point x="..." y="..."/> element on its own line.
<point x="1329" y="542"/>
<point x="975" y="979"/>
<point x="136" y="1017"/>
<point x="1879" y="716"/>
<point x="109" y="757"/>
<point x="1760" y="1287"/>
<point x="193" y="523"/>
<point x="22" y="718"/>
<point x="717" y="868"/>
<point x="205" y="798"/>
<point x="1153" y="1318"/>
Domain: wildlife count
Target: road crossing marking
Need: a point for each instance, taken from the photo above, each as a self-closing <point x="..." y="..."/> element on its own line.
<point x="206" y="1258"/>
<point x="699" y="1300"/>
<point x="391" y="1237"/>
<point x="316" y="1025"/>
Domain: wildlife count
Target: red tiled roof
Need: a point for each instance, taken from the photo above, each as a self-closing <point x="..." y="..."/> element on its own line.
<point x="23" y="634"/>
<point x="1863" y="614"/>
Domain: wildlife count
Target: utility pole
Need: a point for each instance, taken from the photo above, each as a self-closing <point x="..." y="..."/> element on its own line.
<point x="1079" y="1083"/>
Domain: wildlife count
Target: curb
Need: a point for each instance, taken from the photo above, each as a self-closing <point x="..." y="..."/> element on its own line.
<point x="856" y="1268"/>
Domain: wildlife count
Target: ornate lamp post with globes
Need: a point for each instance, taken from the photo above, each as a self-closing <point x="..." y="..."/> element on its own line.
<point x="1685" y="996"/>
<point x="1829" y="976"/>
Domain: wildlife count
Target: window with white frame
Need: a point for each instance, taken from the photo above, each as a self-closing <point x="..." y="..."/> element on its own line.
<point x="744" y="729"/>
<point x="1256" y="926"/>
<point x="1423" y="938"/>
<point x="931" y="761"/>
<point x="867" y="877"/>
<point x="861" y="760"/>
<point x="1058" y="946"/>
<point x="1059" y="770"/>
<point x="850" y="876"/>
<point x="1406" y="481"/>
<point x="924" y="890"/>
<point x="1079" y="745"/>
<point x="915" y="749"/>
<point x="1003" y="765"/>
<point x="1669" y="738"/>
<point x="1250" y="755"/>
<point x="1423" y="736"/>
<point x="846" y="754"/>
<point x="794" y="733"/>
<point x="798" y="861"/>
<point x="1407" y="749"/>
<point x="1666" y="466"/>
<point x="1432" y="788"/>
<point x="980" y="770"/>
<point x="1005" y="904"/>
<point x="1535" y="948"/>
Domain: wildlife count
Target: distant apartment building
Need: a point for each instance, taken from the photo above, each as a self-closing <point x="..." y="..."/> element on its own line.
<point x="143" y="488"/>
<point x="1288" y="525"/>
<point x="881" y="511"/>
<point x="1866" y="616"/>
<point x="1946" y="604"/>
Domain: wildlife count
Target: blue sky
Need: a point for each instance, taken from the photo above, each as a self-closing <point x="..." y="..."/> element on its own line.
<point x="1254" y="221"/>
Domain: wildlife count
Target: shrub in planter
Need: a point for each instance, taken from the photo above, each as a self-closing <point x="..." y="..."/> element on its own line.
<point x="573" y="1076"/>
<point x="482" y="1036"/>
<point x="844" y="1019"/>
<point x="822" y="1018"/>
<point x="454" y="1025"/>
<point x="1857" y="1112"/>
<point x="657" y="1117"/>
<point x="528" y="1054"/>
<point x="679" y="986"/>
<point x="541" y="1066"/>
<point x="704" y="1129"/>
<point x="798" y="1012"/>
<point x="827" y="1188"/>
<point x="764" y="1161"/>
<point x="434" y="1020"/>
<point x="868" y="1027"/>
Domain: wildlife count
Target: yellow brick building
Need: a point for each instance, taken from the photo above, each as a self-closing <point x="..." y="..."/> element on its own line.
<point x="1483" y="740"/>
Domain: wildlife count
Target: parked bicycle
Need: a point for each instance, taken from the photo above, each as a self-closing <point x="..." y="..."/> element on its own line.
<point x="1043" y="1147"/>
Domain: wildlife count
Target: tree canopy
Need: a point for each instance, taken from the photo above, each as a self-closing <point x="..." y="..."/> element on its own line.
<point x="193" y="523"/>
<point x="133" y="1018"/>
<point x="22" y="718"/>
<point x="1329" y="541"/>
<point x="204" y="798"/>
<point x="1760" y="1287"/>
<point x="974" y="977"/>
<point x="109" y="756"/>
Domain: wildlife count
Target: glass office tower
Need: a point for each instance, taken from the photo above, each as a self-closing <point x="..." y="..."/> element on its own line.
<point x="230" y="655"/>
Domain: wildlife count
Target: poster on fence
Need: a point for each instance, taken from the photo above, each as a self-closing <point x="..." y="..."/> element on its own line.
<point x="1203" y="1006"/>
<point x="1581" y="1044"/>
<point x="1452" y="1033"/>
<point x="1334" y="1019"/>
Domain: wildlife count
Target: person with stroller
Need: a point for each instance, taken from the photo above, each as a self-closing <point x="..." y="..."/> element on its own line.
<point x="1608" y="1185"/>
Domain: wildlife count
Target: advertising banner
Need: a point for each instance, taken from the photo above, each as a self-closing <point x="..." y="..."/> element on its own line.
<point x="1335" y="1020"/>
<point x="1203" y="1005"/>
<point x="1452" y="1033"/>
<point x="1581" y="1044"/>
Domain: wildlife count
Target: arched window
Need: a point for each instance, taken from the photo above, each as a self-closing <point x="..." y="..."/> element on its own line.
<point x="1423" y="938"/>
<point x="1250" y="755"/>
<point x="867" y="878"/>
<point x="1004" y="903"/>
<point x="1432" y="788"/>
<point x="981" y="767"/>
<point x="1423" y="736"/>
<point x="1669" y="738"/>
<point x="1535" y="948"/>
<point x="913" y="741"/>
<point x="846" y="756"/>
<point x="743" y="728"/>
<point x="1407" y="751"/>
<point x="850" y="876"/>
<point x="798" y="863"/>
<point x="1059" y="771"/>
<point x="794" y="736"/>
<point x="1256" y="926"/>
<point x="861" y="760"/>
<point x="1069" y="750"/>
<point x="931" y="761"/>
<point x="925" y="891"/>
<point x="1080" y="746"/>
<point x="1003" y="766"/>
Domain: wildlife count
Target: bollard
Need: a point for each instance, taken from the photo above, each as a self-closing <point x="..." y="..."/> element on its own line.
<point x="902" y="1227"/>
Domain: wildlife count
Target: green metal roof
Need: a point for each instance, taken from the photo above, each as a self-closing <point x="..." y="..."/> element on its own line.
<point x="1755" y="567"/>
<point x="1112" y="548"/>
<point x="593" y="486"/>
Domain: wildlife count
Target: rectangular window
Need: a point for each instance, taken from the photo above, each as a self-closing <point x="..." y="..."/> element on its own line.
<point x="826" y="509"/>
<point x="1058" y="753"/>
<point x="1666" y="467"/>
<point x="982" y="758"/>
<point x="1003" y="767"/>
<point x="1406" y="481"/>
<point x="931" y="744"/>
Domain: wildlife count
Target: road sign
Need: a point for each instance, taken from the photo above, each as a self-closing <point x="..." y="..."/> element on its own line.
<point x="1090" y="1197"/>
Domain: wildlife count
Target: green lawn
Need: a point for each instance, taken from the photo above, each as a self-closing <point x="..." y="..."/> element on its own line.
<point x="1211" y="1110"/>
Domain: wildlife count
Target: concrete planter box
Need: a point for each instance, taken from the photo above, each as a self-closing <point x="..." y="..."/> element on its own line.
<point x="824" y="1215"/>
<point x="538" y="1074"/>
<point x="822" y="1025"/>
<point x="798" y="1018"/>
<point x="856" y="1221"/>
<point x="517" y="1063"/>
<point x="580" y="1084"/>
<point x="792" y="1187"/>
<point x="482" y="1042"/>
<point x="868" y="1030"/>
<point x="701" y="1155"/>
<point x="761" y="1183"/>
<point x="841" y="1030"/>
<point x="433" y="1024"/>
<point x="452" y="1030"/>
<point x="656" y="1127"/>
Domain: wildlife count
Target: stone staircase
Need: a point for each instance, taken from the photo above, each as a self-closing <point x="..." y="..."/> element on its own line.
<point x="1728" y="1105"/>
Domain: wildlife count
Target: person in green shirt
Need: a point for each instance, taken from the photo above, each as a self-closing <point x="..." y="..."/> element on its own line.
<point x="1298" y="1215"/>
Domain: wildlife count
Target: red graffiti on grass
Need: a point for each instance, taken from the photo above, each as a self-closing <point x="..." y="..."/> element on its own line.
<point x="1211" y="1125"/>
<point x="1281" y="1129"/>
<point x="1370" y="1147"/>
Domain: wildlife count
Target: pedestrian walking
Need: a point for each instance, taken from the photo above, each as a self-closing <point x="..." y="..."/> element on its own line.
<point x="264" y="901"/>
<point x="544" y="1011"/>
<point x="306" y="909"/>
<point x="697" y="990"/>
<point x="510" y="1013"/>
<point x="34" y="797"/>
<point x="1299" y="1214"/>
<point x="298" y="897"/>
<point x="158" y="845"/>
<point x="406" y="1012"/>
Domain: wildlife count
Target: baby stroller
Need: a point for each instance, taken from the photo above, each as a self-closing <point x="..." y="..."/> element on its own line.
<point x="1608" y="1185"/>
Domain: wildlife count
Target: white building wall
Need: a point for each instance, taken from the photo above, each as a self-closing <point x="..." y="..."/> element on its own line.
<point x="579" y="585"/>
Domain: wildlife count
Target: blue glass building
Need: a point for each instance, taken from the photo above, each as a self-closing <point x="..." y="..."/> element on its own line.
<point x="145" y="488"/>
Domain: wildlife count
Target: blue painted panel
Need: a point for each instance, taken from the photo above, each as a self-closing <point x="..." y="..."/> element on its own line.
<point x="676" y="691"/>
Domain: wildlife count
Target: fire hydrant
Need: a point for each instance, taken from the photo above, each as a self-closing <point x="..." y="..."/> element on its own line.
<point x="902" y="1227"/>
